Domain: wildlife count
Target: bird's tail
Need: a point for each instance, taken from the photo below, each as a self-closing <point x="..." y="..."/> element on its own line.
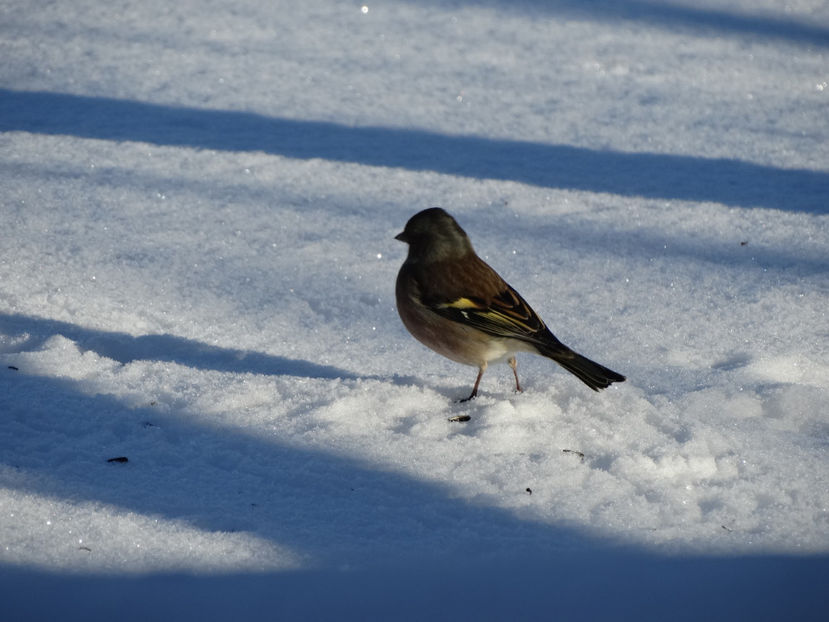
<point x="592" y="374"/>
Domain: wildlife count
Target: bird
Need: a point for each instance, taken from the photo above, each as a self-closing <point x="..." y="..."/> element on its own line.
<point x="453" y="302"/>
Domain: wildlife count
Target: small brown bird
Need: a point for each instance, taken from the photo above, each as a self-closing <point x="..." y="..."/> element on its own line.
<point x="453" y="302"/>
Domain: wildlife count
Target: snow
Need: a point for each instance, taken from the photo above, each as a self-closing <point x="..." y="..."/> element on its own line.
<point x="196" y="274"/>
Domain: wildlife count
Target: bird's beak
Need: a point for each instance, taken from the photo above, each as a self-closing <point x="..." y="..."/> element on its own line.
<point x="401" y="236"/>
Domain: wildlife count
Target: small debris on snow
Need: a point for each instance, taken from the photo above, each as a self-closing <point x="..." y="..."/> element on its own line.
<point x="575" y="453"/>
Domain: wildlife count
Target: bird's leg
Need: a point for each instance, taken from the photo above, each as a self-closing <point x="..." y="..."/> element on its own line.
<point x="481" y="371"/>
<point x="514" y="364"/>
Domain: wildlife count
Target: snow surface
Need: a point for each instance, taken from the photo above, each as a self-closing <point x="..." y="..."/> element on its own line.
<point x="197" y="263"/>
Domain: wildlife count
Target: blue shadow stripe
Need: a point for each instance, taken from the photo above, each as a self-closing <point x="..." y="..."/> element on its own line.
<point x="650" y="175"/>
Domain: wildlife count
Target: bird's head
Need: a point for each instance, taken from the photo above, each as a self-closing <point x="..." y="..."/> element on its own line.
<point x="433" y="235"/>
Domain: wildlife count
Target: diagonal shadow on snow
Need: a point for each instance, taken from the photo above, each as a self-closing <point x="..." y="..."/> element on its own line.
<point x="386" y="543"/>
<point x="674" y="16"/>
<point x="327" y="508"/>
<point x="573" y="586"/>
<point x="728" y="181"/>
<point x="126" y="348"/>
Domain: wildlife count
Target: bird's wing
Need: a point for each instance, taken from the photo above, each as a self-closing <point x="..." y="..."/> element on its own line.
<point x="504" y="315"/>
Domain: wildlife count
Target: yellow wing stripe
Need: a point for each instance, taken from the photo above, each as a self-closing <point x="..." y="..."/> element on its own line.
<point x="507" y="315"/>
<point x="501" y="322"/>
<point x="461" y="303"/>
